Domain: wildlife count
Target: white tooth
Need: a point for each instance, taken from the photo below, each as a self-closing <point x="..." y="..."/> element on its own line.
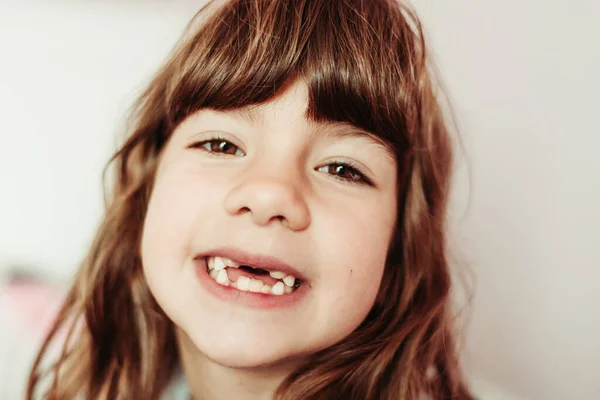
<point x="255" y="285"/>
<point x="222" y="278"/>
<point x="278" y="288"/>
<point x="288" y="289"/>
<point x="277" y="274"/>
<point x="265" y="288"/>
<point x="219" y="263"/>
<point x="289" y="280"/>
<point x="243" y="283"/>
<point x="230" y="263"/>
<point x="211" y="263"/>
<point x="214" y="273"/>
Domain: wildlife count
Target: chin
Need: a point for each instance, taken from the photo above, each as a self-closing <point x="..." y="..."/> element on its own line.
<point x="247" y="361"/>
<point x="237" y="351"/>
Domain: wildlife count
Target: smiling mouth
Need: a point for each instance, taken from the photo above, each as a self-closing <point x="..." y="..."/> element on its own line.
<point x="248" y="278"/>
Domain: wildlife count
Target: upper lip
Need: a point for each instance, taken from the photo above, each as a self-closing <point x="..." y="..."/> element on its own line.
<point x="254" y="260"/>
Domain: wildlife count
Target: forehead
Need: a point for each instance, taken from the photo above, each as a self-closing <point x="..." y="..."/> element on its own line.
<point x="291" y="103"/>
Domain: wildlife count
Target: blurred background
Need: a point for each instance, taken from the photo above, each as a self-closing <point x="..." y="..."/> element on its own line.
<point x="523" y="80"/>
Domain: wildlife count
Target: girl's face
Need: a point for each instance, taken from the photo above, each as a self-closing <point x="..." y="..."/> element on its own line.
<point x="267" y="188"/>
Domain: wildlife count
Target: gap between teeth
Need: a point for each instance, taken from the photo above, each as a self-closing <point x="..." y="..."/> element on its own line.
<point x="216" y="268"/>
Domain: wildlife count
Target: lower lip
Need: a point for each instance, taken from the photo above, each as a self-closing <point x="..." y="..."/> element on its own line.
<point x="249" y="299"/>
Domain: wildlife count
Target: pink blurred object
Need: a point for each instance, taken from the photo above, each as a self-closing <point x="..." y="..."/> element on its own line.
<point x="32" y="305"/>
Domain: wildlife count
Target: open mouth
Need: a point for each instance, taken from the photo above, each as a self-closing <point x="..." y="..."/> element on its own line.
<point x="249" y="278"/>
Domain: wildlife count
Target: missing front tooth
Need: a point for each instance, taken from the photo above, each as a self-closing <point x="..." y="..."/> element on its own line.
<point x="255" y="271"/>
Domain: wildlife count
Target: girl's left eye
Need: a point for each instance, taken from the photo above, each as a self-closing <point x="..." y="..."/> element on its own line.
<point x="346" y="172"/>
<point x="219" y="146"/>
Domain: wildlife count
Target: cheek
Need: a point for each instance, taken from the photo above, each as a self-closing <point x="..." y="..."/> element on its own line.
<point x="170" y="229"/>
<point x="360" y="267"/>
<point x="169" y="222"/>
<point x="359" y="237"/>
<point x="164" y="222"/>
<point x="353" y="262"/>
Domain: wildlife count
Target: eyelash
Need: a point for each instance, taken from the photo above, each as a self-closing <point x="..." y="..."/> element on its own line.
<point x="361" y="179"/>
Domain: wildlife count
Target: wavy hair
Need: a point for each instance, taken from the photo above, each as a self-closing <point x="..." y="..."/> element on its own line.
<point x="365" y="63"/>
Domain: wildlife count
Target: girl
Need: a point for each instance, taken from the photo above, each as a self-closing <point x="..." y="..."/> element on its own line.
<point x="276" y="228"/>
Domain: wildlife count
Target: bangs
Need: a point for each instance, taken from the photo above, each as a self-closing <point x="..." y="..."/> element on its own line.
<point x="354" y="56"/>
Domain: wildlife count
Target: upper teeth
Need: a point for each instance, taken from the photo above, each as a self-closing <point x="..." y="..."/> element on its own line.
<point x="217" y="265"/>
<point x="220" y="263"/>
<point x="277" y="274"/>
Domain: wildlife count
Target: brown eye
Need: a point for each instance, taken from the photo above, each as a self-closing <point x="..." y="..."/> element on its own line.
<point x="345" y="172"/>
<point x="219" y="146"/>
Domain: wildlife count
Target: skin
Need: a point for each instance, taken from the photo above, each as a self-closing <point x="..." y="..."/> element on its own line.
<point x="283" y="195"/>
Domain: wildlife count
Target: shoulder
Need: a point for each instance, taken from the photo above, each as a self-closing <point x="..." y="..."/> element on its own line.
<point x="177" y="389"/>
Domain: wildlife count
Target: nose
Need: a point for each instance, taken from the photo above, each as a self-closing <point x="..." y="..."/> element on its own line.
<point x="269" y="200"/>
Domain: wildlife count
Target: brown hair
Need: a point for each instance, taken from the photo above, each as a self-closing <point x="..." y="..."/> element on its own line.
<point x="365" y="64"/>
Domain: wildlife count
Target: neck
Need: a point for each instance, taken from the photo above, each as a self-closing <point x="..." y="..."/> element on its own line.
<point x="209" y="380"/>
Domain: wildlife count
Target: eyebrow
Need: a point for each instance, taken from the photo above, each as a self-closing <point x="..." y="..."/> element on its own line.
<point x="344" y="130"/>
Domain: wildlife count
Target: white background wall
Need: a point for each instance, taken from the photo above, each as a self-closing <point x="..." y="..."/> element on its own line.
<point x="523" y="76"/>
